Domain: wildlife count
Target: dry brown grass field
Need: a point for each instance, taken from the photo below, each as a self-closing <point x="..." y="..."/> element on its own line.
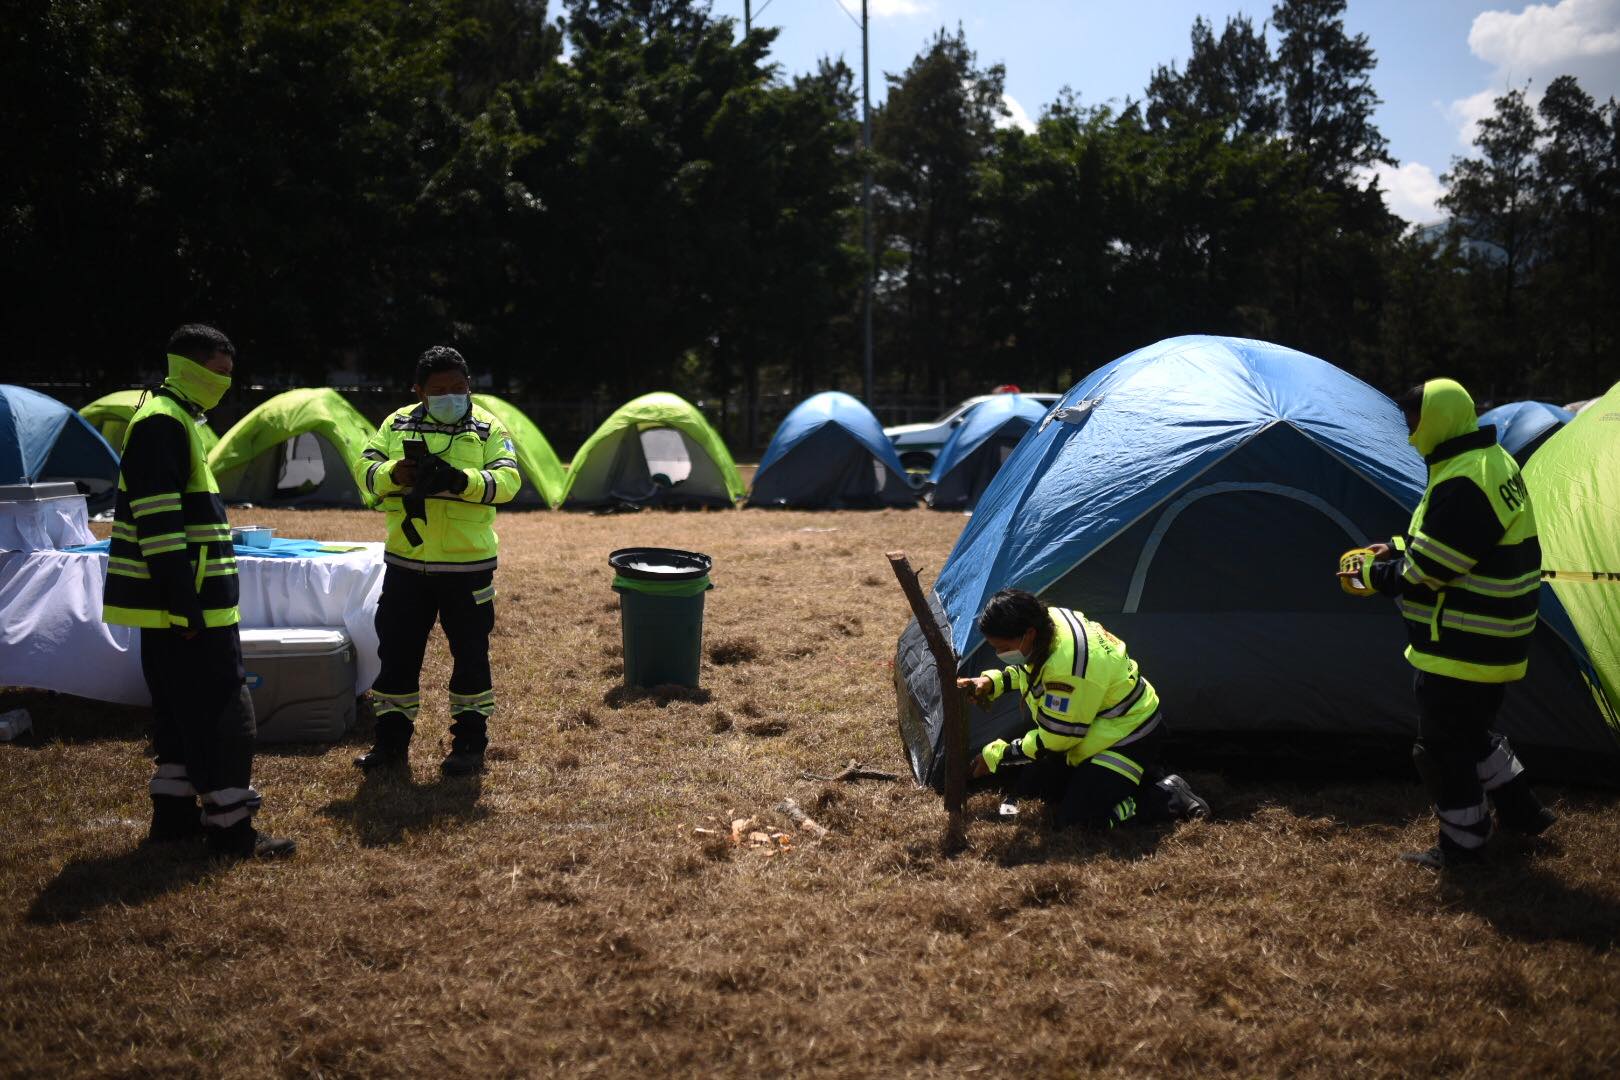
<point x="561" y="915"/>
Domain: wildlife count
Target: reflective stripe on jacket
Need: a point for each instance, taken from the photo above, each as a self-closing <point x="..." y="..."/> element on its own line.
<point x="1087" y="696"/>
<point x="459" y="531"/>
<point x="170" y="562"/>
<point x="1469" y="574"/>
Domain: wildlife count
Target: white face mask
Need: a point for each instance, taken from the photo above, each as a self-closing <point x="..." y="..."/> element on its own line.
<point x="447" y="408"/>
<point x="1016" y="658"/>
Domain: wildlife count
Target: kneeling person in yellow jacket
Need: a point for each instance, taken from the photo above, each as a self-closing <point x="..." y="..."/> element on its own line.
<point x="440" y="467"/>
<point x="1098" y="730"/>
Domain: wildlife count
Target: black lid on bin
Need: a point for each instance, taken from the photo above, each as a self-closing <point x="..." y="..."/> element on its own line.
<point x="660" y="564"/>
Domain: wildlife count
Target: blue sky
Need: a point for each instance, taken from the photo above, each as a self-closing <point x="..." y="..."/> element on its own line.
<point x="1440" y="62"/>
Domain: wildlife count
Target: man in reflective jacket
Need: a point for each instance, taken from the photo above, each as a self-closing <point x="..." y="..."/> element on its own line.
<point x="1465" y="577"/>
<point x="439" y="467"/>
<point x="171" y="570"/>
<point x="1098" y="729"/>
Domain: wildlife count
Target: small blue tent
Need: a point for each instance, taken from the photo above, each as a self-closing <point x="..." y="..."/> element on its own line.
<point x="830" y="453"/>
<point x="1522" y="426"/>
<point x="1194" y="497"/>
<point x="977" y="448"/>
<point x="42" y="439"/>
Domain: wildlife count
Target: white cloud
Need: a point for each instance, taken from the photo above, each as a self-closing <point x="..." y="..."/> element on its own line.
<point x="882" y="9"/>
<point x="1536" y="45"/>
<point x="1545" y="36"/>
<point x="1410" y="191"/>
<point x="1019" y="118"/>
<point x="1469" y="111"/>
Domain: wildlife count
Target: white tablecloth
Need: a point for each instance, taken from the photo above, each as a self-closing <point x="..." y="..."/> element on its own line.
<point x="52" y="636"/>
<point x="44" y="523"/>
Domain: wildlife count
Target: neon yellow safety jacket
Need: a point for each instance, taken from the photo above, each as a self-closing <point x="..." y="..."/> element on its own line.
<point x="458" y="534"/>
<point x="1087" y="699"/>
<point x="1469" y="572"/>
<point x="170" y="562"/>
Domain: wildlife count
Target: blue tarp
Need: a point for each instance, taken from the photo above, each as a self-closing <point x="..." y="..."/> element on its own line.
<point x="972" y="455"/>
<point x="42" y="439"/>
<point x="1194" y="497"/>
<point x="1521" y="426"/>
<point x="830" y="451"/>
<point x="279" y="549"/>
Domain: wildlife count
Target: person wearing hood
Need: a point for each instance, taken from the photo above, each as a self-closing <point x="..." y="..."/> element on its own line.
<point x="171" y="572"/>
<point x="439" y="467"/>
<point x="1097" y="731"/>
<point x="1465" y="576"/>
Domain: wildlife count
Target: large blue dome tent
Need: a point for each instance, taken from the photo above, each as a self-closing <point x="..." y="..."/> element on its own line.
<point x="42" y="439"/>
<point x="1194" y="497"/>
<point x="978" y="447"/>
<point x="830" y="453"/>
<point x="1522" y="426"/>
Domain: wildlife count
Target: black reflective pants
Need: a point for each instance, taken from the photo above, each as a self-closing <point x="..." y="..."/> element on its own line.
<point x="464" y="604"/>
<point x="202" y="721"/>
<point x="1462" y="761"/>
<point x="1098" y="793"/>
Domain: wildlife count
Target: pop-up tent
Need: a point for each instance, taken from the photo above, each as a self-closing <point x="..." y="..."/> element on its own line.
<point x="654" y="451"/>
<point x="111" y="415"/>
<point x="1522" y="426"/>
<point x="830" y="453"/>
<point x="977" y="449"/>
<point x="42" y="440"/>
<point x="543" y="476"/>
<point x="1575" y="481"/>
<point x="296" y="449"/>
<point x="1194" y="497"/>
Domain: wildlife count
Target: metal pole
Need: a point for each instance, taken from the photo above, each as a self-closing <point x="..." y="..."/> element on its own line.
<point x="748" y="17"/>
<point x="866" y="198"/>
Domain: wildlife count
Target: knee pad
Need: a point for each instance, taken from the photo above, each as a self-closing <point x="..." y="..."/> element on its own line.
<point x="1498" y="767"/>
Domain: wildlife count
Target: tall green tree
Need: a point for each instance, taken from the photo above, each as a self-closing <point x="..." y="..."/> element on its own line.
<point x="1328" y="99"/>
<point x="936" y="138"/>
<point x="1230" y="80"/>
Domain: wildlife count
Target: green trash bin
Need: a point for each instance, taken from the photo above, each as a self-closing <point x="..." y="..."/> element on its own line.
<point x="661" y="613"/>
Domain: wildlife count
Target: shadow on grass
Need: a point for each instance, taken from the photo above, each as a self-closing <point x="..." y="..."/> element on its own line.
<point x="64" y="718"/>
<point x="1032" y="838"/>
<point x="387" y="806"/>
<point x="1525" y="902"/>
<point x="620" y="696"/>
<point x="127" y="879"/>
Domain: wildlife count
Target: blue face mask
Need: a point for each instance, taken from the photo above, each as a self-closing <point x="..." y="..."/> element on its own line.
<point x="1016" y="658"/>
<point x="447" y="408"/>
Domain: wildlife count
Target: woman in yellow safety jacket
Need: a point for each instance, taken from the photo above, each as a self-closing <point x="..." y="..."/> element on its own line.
<point x="1098" y="729"/>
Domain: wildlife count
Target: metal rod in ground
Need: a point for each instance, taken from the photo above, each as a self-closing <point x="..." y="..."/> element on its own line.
<point x="951" y="705"/>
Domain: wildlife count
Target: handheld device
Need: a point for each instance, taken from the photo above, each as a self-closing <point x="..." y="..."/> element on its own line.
<point x="1351" y="562"/>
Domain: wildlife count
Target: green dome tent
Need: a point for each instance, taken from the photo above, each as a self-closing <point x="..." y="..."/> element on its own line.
<point x="543" y="476"/>
<point x="654" y="451"/>
<point x="111" y="414"/>
<point x="298" y="448"/>
<point x="1575" y="480"/>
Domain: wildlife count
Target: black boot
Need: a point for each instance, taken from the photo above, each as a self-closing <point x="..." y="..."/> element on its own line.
<point x="469" y="735"/>
<point x="463" y="761"/>
<point x="1518" y="810"/>
<point x="1184" y="803"/>
<point x="391" y="748"/>
<point x="243" y="841"/>
<point x="174" y="818"/>
<point x="385" y="757"/>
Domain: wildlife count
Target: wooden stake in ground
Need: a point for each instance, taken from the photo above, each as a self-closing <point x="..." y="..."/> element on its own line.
<point x="955" y="715"/>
